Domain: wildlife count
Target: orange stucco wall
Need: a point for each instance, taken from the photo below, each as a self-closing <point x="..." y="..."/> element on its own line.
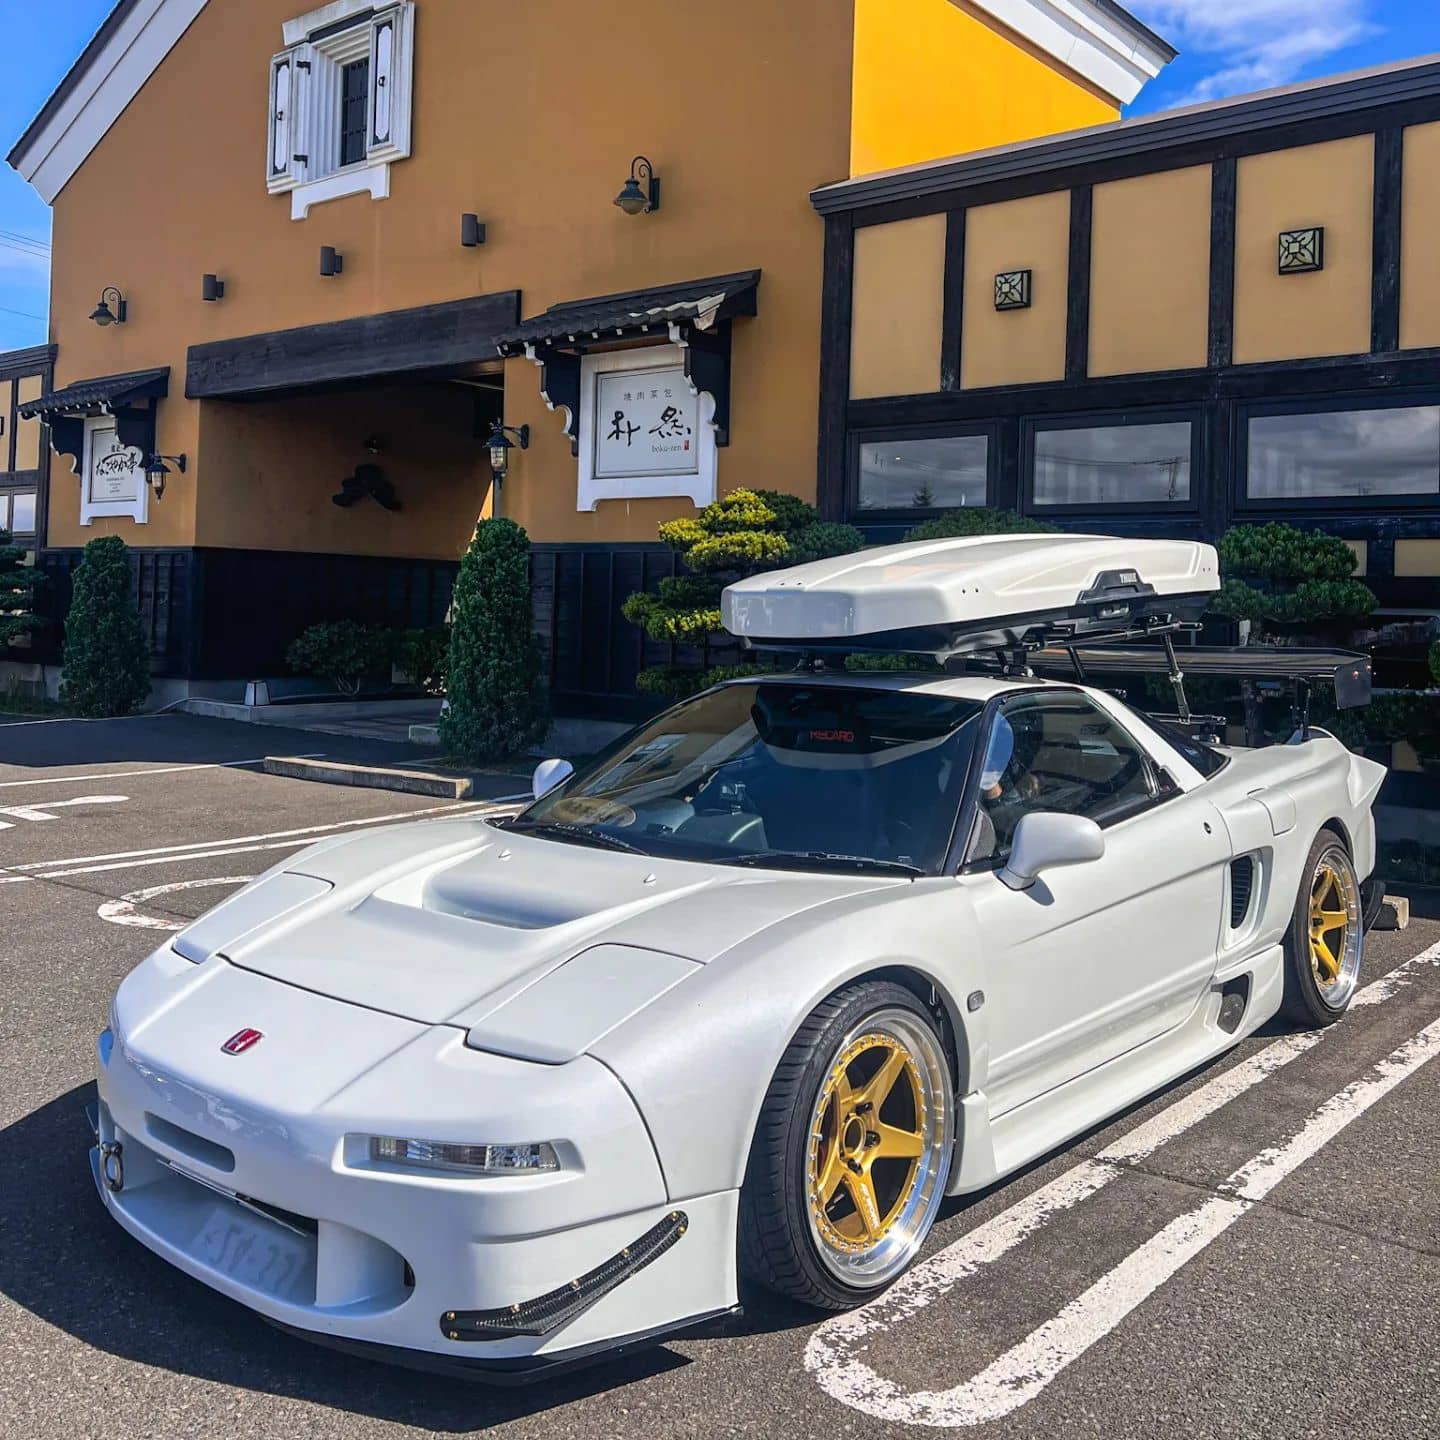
<point x="935" y="78"/>
<point x="526" y="111"/>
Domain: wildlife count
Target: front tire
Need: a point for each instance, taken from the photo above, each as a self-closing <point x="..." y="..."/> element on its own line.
<point x="850" y="1158"/>
<point x="1326" y="940"/>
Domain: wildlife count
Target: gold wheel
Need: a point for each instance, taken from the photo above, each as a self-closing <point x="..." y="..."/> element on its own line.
<point x="1329" y="927"/>
<point x="878" y="1142"/>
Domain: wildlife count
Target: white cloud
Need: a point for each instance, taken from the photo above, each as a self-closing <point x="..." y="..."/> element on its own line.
<point x="1254" y="44"/>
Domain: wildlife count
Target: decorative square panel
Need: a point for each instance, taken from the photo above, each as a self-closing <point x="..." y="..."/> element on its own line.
<point x="1302" y="252"/>
<point x="1012" y="290"/>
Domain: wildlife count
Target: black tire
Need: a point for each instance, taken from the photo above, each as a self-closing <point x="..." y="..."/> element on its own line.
<point x="1308" y="1001"/>
<point x="778" y="1246"/>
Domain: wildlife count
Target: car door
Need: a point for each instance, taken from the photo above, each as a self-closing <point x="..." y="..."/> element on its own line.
<point x="1100" y="958"/>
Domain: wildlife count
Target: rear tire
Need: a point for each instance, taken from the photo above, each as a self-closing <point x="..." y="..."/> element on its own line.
<point x="1326" y="939"/>
<point x="848" y="1167"/>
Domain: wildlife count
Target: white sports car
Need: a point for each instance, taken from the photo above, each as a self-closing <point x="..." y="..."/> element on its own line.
<point x="753" y="993"/>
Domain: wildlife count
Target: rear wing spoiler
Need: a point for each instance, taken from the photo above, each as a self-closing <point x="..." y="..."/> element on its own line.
<point x="1347" y="671"/>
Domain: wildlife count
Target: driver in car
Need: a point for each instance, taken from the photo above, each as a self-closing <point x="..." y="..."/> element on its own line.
<point x="1006" y="787"/>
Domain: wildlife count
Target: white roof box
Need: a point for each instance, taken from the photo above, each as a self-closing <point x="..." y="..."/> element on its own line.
<point x="945" y="596"/>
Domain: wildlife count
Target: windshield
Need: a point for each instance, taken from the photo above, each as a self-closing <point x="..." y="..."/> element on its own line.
<point x="780" y="773"/>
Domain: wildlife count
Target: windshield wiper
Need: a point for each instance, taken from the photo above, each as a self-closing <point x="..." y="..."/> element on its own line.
<point x="817" y="860"/>
<point x="577" y="833"/>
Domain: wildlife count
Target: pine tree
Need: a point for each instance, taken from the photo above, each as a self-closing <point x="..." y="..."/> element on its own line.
<point x="746" y="532"/>
<point x="497" y="698"/>
<point x="107" y="662"/>
<point x="18" y="583"/>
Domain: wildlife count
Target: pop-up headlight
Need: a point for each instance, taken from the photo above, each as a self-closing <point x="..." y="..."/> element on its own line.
<point x="464" y="1159"/>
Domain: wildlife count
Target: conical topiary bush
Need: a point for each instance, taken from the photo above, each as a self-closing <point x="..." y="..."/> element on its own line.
<point x="107" y="662"/>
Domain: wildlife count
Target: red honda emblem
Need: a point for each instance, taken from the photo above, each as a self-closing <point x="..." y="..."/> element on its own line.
<point x="241" y="1041"/>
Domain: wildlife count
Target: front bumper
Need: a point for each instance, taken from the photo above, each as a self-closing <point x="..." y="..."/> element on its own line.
<point x="258" y="1188"/>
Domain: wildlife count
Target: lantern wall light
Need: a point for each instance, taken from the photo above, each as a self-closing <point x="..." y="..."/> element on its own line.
<point x="635" y="200"/>
<point x="103" y="314"/>
<point x="500" y="445"/>
<point x="157" y="467"/>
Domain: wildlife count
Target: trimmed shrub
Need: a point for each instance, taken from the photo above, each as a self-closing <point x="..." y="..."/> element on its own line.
<point x="1277" y="574"/>
<point x="741" y="534"/>
<point x="343" y="652"/>
<point x="497" y="698"/>
<point x="423" y="656"/>
<point x="978" y="520"/>
<point x="18" y="583"/>
<point x="107" y="662"/>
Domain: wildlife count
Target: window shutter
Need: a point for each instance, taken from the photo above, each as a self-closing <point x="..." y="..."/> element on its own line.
<point x="392" y="47"/>
<point x="286" y="160"/>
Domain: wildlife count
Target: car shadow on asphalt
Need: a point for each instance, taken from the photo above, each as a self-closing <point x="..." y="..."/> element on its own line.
<point x="64" y="1260"/>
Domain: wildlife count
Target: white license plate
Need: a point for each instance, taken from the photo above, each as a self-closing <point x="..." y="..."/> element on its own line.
<point x="257" y="1254"/>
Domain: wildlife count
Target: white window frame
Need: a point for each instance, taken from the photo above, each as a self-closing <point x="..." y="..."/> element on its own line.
<point x="591" y="489"/>
<point x="137" y="509"/>
<point x="313" y="63"/>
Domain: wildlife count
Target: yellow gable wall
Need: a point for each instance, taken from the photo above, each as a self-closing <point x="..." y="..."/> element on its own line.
<point x="525" y="112"/>
<point x="933" y="78"/>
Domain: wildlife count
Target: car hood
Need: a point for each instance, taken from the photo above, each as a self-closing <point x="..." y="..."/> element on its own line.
<point x="447" y="921"/>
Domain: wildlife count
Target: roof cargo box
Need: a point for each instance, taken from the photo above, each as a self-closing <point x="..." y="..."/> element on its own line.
<point x="949" y="597"/>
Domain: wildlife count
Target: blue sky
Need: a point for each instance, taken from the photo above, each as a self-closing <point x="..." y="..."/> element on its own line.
<point x="1228" y="47"/>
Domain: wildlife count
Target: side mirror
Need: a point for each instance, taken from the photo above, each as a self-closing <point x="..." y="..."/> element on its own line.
<point x="1047" y="840"/>
<point x="549" y="774"/>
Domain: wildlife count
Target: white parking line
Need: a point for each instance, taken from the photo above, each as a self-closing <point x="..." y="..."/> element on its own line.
<point x="210" y="849"/>
<point x="126" y="910"/>
<point x="834" y="1352"/>
<point x="138" y="774"/>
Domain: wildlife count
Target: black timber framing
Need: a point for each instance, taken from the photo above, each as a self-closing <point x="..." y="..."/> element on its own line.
<point x="952" y="320"/>
<point x="34" y="362"/>
<point x="1077" y="302"/>
<point x="835" y="332"/>
<point x="1385" y="274"/>
<point x="1222" y="262"/>
<point x="428" y="339"/>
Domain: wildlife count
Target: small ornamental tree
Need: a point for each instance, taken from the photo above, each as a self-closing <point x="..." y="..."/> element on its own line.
<point x="343" y="652"/>
<point x="18" y="582"/>
<point x="497" y="698"/>
<point x="746" y="532"/>
<point x="977" y="520"/>
<point x="107" y="662"/>
<point x="1277" y="576"/>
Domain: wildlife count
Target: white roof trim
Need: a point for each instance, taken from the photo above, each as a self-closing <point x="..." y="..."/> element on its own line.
<point x="1087" y="38"/>
<point x="113" y="79"/>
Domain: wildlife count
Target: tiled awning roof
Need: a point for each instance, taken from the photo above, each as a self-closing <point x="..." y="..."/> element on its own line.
<point x="105" y="393"/>
<point x="696" y="303"/>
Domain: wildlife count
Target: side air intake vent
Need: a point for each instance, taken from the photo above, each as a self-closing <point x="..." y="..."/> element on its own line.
<point x="1242" y="887"/>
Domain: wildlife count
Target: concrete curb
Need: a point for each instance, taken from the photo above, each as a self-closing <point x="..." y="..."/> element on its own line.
<point x="373" y="777"/>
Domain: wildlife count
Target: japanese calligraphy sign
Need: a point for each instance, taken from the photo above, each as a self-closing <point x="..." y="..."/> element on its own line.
<point x="115" y="471"/>
<point x="646" y="423"/>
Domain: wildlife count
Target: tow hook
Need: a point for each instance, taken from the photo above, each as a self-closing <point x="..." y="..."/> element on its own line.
<point x="112" y="1166"/>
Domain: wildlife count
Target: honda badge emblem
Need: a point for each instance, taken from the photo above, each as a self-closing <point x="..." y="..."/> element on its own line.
<point x="241" y="1041"/>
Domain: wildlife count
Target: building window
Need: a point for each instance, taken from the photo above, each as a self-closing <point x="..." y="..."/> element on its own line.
<point x="942" y="472"/>
<point x="340" y="102"/>
<point x="1343" y="454"/>
<point x="17" y="511"/>
<point x="1090" y="463"/>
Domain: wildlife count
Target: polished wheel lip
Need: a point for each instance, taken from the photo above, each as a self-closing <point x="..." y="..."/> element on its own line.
<point x="1336" y="935"/>
<point x="916" y="1058"/>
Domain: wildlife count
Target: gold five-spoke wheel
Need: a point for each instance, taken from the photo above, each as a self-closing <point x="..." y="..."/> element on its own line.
<point x="875" y="1151"/>
<point x="1335" y="936"/>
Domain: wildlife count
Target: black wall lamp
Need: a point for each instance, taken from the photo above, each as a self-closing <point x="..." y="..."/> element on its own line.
<point x="632" y="199"/>
<point x="332" y="262"/>
<point x="472" y="232"/>
<point x="157" y="467"/>
<point x="212" y="288"/>
<point x="501" y="445"/>
<point x="103" y="315"/>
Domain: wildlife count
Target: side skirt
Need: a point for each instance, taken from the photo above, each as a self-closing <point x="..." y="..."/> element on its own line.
<point x="990" y="1149"/>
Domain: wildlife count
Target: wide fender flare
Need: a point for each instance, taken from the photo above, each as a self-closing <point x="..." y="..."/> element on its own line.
<point x="699" y="1061"/>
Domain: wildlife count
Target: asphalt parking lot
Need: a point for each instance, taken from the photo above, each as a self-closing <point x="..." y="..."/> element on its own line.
<point x="1255" y="1252"/>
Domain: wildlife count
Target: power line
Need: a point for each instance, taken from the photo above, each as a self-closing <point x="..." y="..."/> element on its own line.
<point x="25" y="314"/>
<point x="34" y="240"/>
<point x="25" y="250"/>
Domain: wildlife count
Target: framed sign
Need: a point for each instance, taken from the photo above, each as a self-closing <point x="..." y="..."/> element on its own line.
<point x="644" y="430"/>
<point x="112" y="478"/>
